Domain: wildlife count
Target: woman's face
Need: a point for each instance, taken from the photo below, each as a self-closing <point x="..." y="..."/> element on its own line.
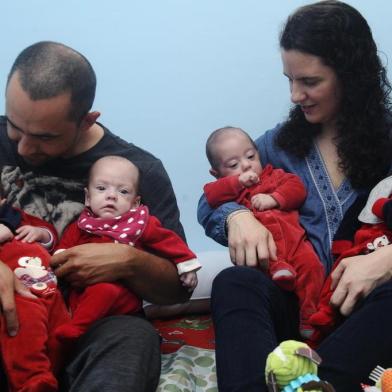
<point x="313" y="86"/>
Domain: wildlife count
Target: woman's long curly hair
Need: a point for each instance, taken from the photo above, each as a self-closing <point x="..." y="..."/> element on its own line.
<point x="340" y="36"/>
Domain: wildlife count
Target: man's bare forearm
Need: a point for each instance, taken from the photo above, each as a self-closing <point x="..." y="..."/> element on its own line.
<point x="154" y="279"/>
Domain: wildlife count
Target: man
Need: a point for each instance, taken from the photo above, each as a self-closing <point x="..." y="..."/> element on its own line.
<point x="48" y="140"/>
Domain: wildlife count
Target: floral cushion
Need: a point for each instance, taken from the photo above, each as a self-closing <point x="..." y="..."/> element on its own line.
<point x="188" y="356"/>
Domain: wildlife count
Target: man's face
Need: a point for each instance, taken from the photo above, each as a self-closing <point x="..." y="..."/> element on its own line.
<point x="42" y="128"/>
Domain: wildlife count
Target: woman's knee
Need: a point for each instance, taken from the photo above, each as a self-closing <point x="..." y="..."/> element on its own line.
<point x="237" y="277"/>
<point x="381" y="293"/>
<point x="240" y="286"/>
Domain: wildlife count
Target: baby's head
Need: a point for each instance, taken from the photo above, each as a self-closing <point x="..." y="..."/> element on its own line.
<point x="231" y="151"/>
<point x="112" y="187"/>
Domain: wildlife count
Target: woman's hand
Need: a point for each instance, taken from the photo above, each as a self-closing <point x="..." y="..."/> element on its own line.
<point x="250" y="243"/>
<point x="355" y="277"/>
<point x="9" y="284"/>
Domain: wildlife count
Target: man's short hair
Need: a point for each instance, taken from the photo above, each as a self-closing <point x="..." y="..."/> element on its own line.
<point x="48" y="69"/>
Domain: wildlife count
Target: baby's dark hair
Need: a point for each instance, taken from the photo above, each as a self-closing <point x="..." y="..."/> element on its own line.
<point x="215" y="135"/>
<point x="114" y="158"/>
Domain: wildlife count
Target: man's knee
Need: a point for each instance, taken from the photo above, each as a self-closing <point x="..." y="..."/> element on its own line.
<point x="121" y="329"/>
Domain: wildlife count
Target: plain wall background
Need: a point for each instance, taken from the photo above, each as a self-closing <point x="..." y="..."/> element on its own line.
<point x="171" y="71"/>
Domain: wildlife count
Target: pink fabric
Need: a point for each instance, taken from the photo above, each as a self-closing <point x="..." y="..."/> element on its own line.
<point x="126" y="228"/>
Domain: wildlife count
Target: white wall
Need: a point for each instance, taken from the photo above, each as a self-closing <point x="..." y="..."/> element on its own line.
<point x="171" y="71"/>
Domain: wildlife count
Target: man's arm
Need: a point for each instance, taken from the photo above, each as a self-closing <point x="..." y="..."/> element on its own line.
<point x="9" y="216"/>
<point x="151" y="277"/>
<point x="157" y="193"/>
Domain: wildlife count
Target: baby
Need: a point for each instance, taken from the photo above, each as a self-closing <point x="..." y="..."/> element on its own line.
<point x="274" y="197"/>
<point x="364" y="229"/>
<point x="114" y="213"/>
<point x="33" y="355"/>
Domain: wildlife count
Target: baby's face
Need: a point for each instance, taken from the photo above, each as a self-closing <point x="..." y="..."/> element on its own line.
<point x="235" y="154"/>
<point x="112" y="189"/>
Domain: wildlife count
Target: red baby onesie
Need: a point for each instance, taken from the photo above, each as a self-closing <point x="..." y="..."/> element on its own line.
<point x="283" y="222"/>
<point x="104" y="299"/>
<point x="31" y="358"/>
<point x="367" y="239"/>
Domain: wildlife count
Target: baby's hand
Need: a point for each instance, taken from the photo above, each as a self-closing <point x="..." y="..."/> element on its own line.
<point x="5" y="234"/>
<point x="248" y="178"/>
<point x="263" y="202"/>
<point x="189" y="280"/>
<point x="31" y="234"/>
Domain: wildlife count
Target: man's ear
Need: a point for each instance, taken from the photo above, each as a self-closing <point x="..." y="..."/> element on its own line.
<point x="86" y="198"/>
<point x="214" y="173"/>
<point x="89" y="120"/>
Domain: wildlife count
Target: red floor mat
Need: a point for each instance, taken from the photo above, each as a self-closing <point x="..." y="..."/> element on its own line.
<point x="192" y="330"/>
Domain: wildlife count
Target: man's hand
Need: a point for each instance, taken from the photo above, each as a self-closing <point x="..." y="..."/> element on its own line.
<point x="250" y="243"/>
<point x="9" y="284"/>
<point x="355" y="277"/>
<point x="263" y="202"/>
<point x="31" y="234"/>
<point x="5" y="234"/>
<point x="151" y="277"/>
<point x="248" y="178"/>
<point x="83" y="265"/>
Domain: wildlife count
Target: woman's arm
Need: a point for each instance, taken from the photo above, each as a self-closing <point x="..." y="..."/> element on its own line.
<point x="355" y="277"/>
<point x="250" y="243"/>
<point x="9" y="285"/>
<point x="214" y="220"/>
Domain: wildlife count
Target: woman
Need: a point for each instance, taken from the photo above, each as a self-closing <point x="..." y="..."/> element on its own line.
<point x="337" y="140"/>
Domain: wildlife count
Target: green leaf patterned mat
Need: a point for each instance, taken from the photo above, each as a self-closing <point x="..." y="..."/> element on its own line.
<point x="190" y="369"/>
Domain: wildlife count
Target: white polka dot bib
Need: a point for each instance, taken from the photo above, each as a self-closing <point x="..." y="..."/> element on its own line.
<point x="126" y="228"/>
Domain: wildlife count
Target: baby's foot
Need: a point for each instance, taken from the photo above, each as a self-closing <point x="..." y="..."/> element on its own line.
<point x="283" y="274"/>
<point x="68" y="332"/>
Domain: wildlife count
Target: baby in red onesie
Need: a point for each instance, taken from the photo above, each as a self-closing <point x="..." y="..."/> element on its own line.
<point x="114" y="214"/>
<point x="33" y="355"/>
<point x="357" y="235"/>
<point x="274" y="197"/>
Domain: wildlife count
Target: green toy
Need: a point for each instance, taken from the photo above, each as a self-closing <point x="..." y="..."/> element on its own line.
<point x="292" y="367"/>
